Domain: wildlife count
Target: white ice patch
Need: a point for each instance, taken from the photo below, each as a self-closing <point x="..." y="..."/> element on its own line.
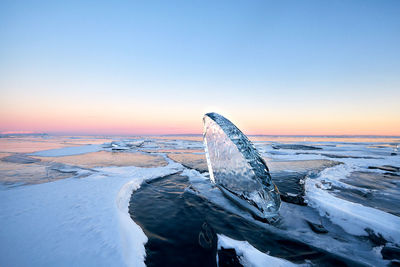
<point x="354" y="218"/>
<point x="334" y="175"/>
<point x="249" y="255"/>
<point x="75" y="222"/>
<point x="68" y="151"/>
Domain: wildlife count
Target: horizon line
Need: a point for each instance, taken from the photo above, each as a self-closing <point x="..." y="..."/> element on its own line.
<point x="194" y="134"/>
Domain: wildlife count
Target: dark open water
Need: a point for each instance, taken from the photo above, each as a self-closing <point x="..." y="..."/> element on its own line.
<point x="182" y="227"/>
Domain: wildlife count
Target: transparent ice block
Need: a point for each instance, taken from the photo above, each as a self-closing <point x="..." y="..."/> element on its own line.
<point x="237" y="168"/>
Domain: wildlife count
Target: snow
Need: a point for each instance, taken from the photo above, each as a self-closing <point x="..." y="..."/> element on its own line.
<point x="354" y="218"/>
<point x="249" y="255"/>
<point x="75" y="221"/>
<point x="68" y="151"/>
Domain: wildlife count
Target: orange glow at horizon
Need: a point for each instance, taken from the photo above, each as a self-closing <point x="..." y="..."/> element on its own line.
<point x="98" y="115"/>
<point x="142" y="123"/>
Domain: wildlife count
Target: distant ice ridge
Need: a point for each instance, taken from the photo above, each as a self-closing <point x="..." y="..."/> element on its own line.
<point x="237" y="168"/>
<point x="354" y="218"/>
<point x="68" y="151"/>
<point x="75" y="222"/>
<point x="83" y="149"/>
<point x="250" y="256"/>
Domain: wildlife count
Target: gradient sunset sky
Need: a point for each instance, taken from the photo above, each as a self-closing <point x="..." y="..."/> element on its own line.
<point x="155" y="67"/>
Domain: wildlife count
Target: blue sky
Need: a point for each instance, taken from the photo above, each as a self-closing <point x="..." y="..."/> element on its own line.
<point x="266" y="64"/>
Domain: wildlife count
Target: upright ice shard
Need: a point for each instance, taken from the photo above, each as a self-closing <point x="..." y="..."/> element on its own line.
<point x="237" y="168"/>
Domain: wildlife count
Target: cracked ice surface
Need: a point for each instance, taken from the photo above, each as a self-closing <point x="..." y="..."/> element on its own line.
<point x="237" y="168"/>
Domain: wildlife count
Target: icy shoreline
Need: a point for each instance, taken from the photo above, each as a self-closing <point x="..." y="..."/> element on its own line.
<point x="343" y="212"/>
<point x="76" y="221"/>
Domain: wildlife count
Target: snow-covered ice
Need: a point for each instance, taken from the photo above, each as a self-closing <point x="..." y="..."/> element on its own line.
<point x="68" y="151"/>
<point x="75" y="222"/>
<point x="250" y="256"/>
<point x="354" y="218"/>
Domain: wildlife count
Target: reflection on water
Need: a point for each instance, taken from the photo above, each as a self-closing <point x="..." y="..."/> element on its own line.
<point x="13" y="174"/>
<point x="18" y="145"/>
<point x="33" y="144"/>
<point x="16" y="168"/>
<point x="105" y="159"/>
<point x="193" y="161"/>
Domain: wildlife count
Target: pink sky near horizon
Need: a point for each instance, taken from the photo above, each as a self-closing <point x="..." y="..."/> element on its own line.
<point x="114" y="122"/>
<point x="62" y="114"/>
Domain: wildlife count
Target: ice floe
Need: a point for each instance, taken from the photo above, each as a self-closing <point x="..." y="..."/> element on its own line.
<point x="249" y="255"/>
<point x="68" y="151"/>
<point x="354" y="218"/>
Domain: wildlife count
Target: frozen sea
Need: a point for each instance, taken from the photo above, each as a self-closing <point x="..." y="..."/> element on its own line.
<point x="147" y="200"/>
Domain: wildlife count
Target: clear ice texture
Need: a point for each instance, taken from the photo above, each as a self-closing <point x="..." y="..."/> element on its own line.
<point x="237" y="168"/>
